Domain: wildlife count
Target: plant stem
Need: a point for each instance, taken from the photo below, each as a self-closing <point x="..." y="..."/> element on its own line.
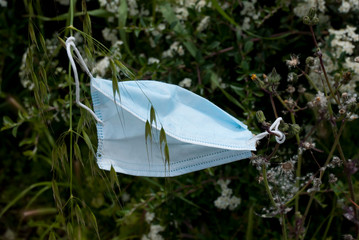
<point x="336" y="141"/>
<point x="283" y="103"/>
<point x="273" y="105"/>
<point x="299" y="165"/>
<point x="320" y="56"/>
<point x="330" y="218"/>
<point x="72" y="4"/>
<point x="349" y="178"/>
<point x="265" y="180"/>
<point x="310" y="81"/>
<point x="284" y="229"/>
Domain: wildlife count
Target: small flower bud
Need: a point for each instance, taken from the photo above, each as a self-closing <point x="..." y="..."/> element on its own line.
<point x="337" y="77"/>
<point x="312" y="12"/>
<point x="294" y="129"/>
<point x="309" y="61"/>
<point x="356" y="59"/>
<point x="292" y="77"/>
<point x="274" y="77"/>
<point x="347" y="76"/>
<point x="284" y="127"/>
<point x="342" y="111"/>
<point x="306" y="20"/>
<point x="352" y="106"/>
<point x="315" y="21"/>
<point x="260" y="117"/>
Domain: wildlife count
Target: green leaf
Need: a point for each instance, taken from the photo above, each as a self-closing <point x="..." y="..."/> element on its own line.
<point x="79" y="215"/>
<point x="94" y="223"/>
<point x="167" y="155"/>
<point x="28" y="153"/>
<point x="8" y="123"/>
<point x="113" y="178"/>
<point x="21" y="195"/>
<point x="69" y="230"/>
<point x="179" y="28"/>
<point x="88" y="142"/>
<point x="148" y="132"/>
<point x="32" y="33"/>
<point x="77" y="153"/>
<point x="122" y="14"/>
<point x="188" y="201"/>
<point x="52" y="236"/>
<point x="115" y="87"/>
<point x="56" y="195"/>
<point x="153" y="115"/>
<point x="223" y="13"/>
<point x="233" y="100"/>
<point x="238" y="90"/>
<point x="192" y="49"/>
<point x="163" y="136"/>
<point x="248" y="46"/>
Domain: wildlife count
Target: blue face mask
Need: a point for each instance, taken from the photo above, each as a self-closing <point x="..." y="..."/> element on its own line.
<point x="199" y="135"/>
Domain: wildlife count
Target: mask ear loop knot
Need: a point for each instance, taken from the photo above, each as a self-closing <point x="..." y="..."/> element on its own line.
<point x="280" y="137"/>
<point x="70" y="42"/>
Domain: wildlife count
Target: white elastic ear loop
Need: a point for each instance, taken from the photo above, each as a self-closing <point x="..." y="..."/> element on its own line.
<point x="274" y="129"/>
<point x="70" y="42"/>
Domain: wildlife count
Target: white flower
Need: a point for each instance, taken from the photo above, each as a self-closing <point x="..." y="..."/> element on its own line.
<point x="227" y="192"/>
<point x="132" y="7"/>
<point x="226" y="200"/>
<point x="161" y="26"/>
<point x="187" y="82"/>
<point x="246" y="23"/>
<point x="152" y="60"/>
<point x="345" y="7"/>
<point x="248" y="8"/>
<point x="181" y="13"/>
<point x="154" y="233"/>
<point x="353" y="65"/>
<point x="180" y="50"/>
<point x="225" y="5"/>
<point x="125" y="197"/>
<point x="144" y="12"/>
<point x="101" y="67"/>
<point x="156" y="33"/>
<point x="175" y="47"/>
<point x="343" y="40"/>
<point x="110" y="35"/>
<point x="203" y="24"/>
<point x="24" y="74"/>
<point x="221" y="202"/>
<point x="117" y="44"/>
<point x="111" y="6"/>
<point x="149" y="217"/>
<point x="302" y="9"/>
<point x="200" y="5"/>
<point x="320" y="100"/>
<point x="3" y="3"/>
<point x="234" y="202"/>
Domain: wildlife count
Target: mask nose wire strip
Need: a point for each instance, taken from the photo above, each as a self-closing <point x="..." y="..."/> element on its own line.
<point x="274" y="129"/>
<point x="70" y="43"/>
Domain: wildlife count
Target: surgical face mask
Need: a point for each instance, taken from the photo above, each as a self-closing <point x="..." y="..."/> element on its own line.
<point x="198" y="134"/>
